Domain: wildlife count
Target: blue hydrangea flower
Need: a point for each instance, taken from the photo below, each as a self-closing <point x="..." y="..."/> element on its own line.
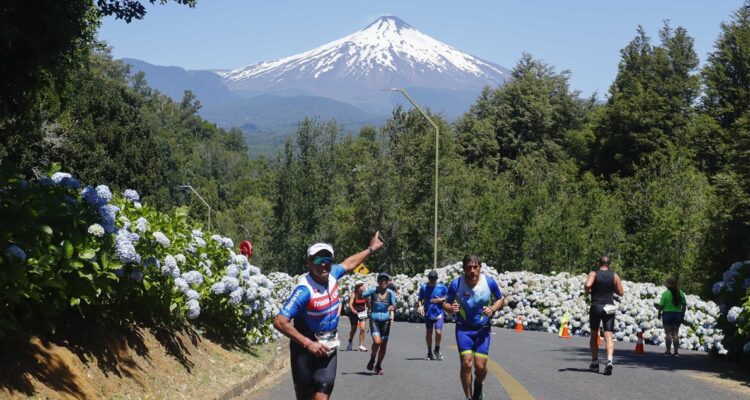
<point x="142" y="225"/>
<point x="65" y="180"/>
<point x="162" y="240"/>
<point x="193" y="295"/>
<point x="193" y="309"/>
<point x="181" y="285"/>
<point x="96" y="230"/>
<point x="232" y="271"/>
<point x="196" y="233"/>
<point x="98" y="196"/>
<point x="176" y="272"/>
<point x="235" y="297"/>
<point x="218" y="288"/>
<point x="231" y="283"/>
<point x="193" y="277"/>
<point x="717" y="287"/>
<point x="170" y="263"/>
<point x="131" y="195"/>
<point x="180" y="258"/>
<point x="733" y="314"/>
<point x="247" y="312"/>
<point x="107" y="214"/>
<point x="227" y="242"/>
<point x="245" y="276"/>
<point x="199" y="241"/>
<point x="136" y="276"/>
<point x="119" y="272"/>
<point x="138" y="205"/>
<point x="15" y="253"/>
<point x="253" y="270"/>
<point x="124" y="248"/>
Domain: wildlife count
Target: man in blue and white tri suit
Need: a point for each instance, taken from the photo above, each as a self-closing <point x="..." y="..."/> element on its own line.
<point x="431" y="298"/>
<point x="314" y="305"/>
<point x="474" y="297"/>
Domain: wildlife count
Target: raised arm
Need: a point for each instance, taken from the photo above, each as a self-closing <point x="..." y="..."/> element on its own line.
<point x="352" y="261"/>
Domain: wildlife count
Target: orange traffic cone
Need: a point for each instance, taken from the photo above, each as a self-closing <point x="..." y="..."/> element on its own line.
<point x="639" y="344"/>
<point x="565" y="331"/>
<point x="519" y="325"/>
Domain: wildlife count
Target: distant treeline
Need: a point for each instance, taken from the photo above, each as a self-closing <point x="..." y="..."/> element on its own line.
<point x="532" y="177"/>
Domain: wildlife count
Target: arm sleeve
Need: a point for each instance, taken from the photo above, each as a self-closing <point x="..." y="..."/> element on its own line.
<point x="337" y="271"/>
<point x="393" y="298"/>
<point x="494" y="288"/>
<point x="297" y="301"/>
<point x="368" y="292"/>
<point x="443" y="290"/>
<point x="452" y="289"/>
<point x="421" y="293"/>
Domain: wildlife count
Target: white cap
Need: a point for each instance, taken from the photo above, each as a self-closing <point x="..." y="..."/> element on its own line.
<point x="317" y="247"/>
<point x="358" y="283"/>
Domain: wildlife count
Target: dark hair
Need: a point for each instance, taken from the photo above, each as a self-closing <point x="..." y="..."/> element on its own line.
<point x="674" y="288"/>
<point x="604" y="260"/>
<point x="472" y="258"/>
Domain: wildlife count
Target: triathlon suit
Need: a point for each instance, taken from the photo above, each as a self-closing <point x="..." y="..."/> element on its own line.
<point x="314" y="309"/>
<point x="434" y="316"/>
<point x="472" y="326"/>
<point x="602" y="294"/>
<point x="380" y="319"/>
<point x="359" y="306"/>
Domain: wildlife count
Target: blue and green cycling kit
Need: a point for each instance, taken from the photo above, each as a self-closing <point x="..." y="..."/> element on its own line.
<point x="472" y="325"/>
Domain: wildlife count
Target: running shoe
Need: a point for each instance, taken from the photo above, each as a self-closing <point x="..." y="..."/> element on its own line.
<point x="378" y="370"/>
<point x="429" y="357"/>
<point x="667" y="353"/>
<point x="362" y="348"/>
<point x="676" y="354"/>
<point x="371" y="364"/>
<point x="594" y="366"/>
<point x="438" y="355"/>
<point x="349" y="347"/>
<point x="608" y="368"/>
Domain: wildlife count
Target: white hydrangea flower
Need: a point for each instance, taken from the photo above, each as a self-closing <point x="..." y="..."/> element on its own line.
<point x="96" y="230"/>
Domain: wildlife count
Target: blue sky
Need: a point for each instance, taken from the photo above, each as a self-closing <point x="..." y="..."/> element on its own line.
<point x="584" y="37"/>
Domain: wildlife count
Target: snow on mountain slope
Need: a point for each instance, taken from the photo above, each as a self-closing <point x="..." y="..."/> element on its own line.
<point x="387" y="53"/>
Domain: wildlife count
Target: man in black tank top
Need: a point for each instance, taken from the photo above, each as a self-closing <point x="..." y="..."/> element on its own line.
<point x="602" y="284"/>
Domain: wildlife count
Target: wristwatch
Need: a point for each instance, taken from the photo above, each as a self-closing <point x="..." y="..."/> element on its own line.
<point x="371" y="249"/>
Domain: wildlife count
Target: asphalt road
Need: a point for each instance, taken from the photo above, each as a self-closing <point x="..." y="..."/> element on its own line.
<point x="528" y="365"/>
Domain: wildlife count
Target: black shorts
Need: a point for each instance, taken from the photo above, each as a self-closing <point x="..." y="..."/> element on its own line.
<point x="311" y="374"/>
<point x="598" y="316"/>
<point x="671" y="318"/>
<point x="354" y="319"/>
<point x="380" y="328"/>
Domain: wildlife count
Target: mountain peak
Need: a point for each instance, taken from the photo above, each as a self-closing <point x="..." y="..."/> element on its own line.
<point x="388" y="22"/>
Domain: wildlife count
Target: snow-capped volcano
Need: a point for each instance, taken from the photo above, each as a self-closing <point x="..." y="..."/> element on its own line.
<point x="387" y="53"/>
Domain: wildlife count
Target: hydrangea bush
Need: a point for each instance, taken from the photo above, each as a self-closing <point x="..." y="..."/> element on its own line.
<point x="94" y="252"/>
<point x="733" y="295"/>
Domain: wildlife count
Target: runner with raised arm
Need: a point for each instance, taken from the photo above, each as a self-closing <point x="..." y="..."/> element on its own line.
<point x="474" y="297"/>
<point x="314" y="305"/>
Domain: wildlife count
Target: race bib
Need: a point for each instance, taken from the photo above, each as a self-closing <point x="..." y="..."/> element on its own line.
<point x="330" y="340"/>
<point x="610" y="309"/>
<point x="362" y="315"/>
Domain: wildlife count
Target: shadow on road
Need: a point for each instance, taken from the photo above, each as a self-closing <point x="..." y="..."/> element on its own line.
<point x="358" y="373"/>
<point x="697" y="362"/>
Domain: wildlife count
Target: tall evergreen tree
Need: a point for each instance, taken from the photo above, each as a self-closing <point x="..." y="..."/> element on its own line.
<point x="650" y="105"/>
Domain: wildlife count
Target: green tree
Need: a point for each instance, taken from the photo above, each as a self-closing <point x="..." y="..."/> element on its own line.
<point x="529" y="113"/>
<point x="650" y="105"/>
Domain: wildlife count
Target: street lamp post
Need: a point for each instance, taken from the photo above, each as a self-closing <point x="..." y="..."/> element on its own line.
<point x="201" y="198"/>
<point x="437" y="142"/>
